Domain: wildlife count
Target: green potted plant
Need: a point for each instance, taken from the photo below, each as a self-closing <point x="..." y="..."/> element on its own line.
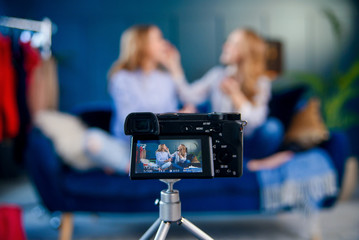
<point x="334" y="91"/>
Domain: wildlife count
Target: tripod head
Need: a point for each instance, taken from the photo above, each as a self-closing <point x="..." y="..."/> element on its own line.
<point x="170" y="183"/>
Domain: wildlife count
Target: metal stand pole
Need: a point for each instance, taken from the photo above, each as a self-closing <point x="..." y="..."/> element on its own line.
<point x="170" y="212"/>
<point x="148" y="234"/>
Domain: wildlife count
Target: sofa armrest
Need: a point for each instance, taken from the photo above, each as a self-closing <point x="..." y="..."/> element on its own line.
<point x="338" y="147"/>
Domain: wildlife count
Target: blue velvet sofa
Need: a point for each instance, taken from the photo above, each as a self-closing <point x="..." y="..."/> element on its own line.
<point x="64" y="189"/>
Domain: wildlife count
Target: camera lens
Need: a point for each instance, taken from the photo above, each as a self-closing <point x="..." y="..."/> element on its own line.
<point x="141" y="125"/>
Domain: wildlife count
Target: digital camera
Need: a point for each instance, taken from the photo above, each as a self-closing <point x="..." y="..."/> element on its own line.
<point x="170" y="146"/>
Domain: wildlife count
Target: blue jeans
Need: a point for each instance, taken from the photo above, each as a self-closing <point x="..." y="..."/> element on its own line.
<point x="183" y="165"/>
<point x="265" y="140"/>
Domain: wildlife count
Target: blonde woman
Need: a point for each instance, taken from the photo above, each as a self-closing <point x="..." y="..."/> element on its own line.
<point x="137" y="83"/>
<point x="180" y="155"/>
<point x="163" y="157"/>
<point x="240" y="85"/>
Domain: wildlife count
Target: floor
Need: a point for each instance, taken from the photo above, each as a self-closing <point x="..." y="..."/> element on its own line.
<point x="340" y="222"/>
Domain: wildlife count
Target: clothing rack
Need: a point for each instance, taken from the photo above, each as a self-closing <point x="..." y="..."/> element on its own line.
<point x="45" y="27"/>
<point x="142" y="145"/>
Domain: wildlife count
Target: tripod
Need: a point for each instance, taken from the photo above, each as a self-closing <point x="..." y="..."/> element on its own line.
<point x="170" y="212"/>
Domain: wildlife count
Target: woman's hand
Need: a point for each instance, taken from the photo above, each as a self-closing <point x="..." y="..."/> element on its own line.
<point x="232" y="88"/>
<point x="188" y="108"/>
<point x="172" y="60"/>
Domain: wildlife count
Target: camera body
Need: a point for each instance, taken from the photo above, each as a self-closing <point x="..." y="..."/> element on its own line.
<point x="202" y="145"/>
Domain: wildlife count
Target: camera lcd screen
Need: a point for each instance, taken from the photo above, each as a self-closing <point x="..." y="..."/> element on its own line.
<point x="171" y="157"/>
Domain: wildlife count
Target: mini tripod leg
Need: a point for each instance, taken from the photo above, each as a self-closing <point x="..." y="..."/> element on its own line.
<point x="194" y="230"/>
<point x="149" y="233"/>
<point x="162" y="231"/>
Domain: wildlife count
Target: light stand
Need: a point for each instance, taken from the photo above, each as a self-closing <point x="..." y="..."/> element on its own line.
<point x="170" y="212"/>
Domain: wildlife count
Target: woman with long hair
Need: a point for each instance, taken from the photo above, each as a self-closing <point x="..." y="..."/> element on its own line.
<point x="138" y="82"/>
<point x="240" y="85"/>
<point x="163" y="157"/>
<point x="181" y="154"/>
<point x="180" y="157"/>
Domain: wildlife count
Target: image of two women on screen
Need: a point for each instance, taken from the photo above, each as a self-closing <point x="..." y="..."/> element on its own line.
<point x="169" y="156"/>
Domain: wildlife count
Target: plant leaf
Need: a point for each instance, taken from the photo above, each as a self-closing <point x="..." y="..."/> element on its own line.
<point x="349" y="78"/>
<point x="314" y="81"/>
<point x="334" y="22"/>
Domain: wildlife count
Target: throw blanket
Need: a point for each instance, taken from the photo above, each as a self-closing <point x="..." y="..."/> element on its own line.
<point x="301" y="183"/>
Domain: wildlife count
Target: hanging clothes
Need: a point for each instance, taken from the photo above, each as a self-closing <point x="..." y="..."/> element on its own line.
<point x="9" y="116"/>
<point x="22" y="93"/>
<point x="27" y="60"/>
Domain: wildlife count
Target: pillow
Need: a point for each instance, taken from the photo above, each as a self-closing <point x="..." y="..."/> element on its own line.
<point x="307" y="128"/>
<point x="283" y="104"/>
<point x="67" y="133"/>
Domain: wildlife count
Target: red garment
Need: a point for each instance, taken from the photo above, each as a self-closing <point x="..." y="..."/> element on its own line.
<point x="9" y="116"/>
<point x="11" y="223"/>
<point x="138" y="154"/>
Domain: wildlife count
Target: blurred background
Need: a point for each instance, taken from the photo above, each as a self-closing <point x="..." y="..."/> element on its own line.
<point x="316" y="37"/>
<point x="313" y="43"/>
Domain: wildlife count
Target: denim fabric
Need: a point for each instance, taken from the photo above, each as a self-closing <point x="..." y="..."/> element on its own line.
<point x="112" y="152"/>
<point x="180" y="165"/>
<point x="303" y="182"/>
<point x="265" y="140"/>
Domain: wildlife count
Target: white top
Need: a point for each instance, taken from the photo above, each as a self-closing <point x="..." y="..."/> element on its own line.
<point x="179" y="159"/>
<point x="161" y="158"/>
<point x="135" y="91"/>
<point x="208" y="87"/>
